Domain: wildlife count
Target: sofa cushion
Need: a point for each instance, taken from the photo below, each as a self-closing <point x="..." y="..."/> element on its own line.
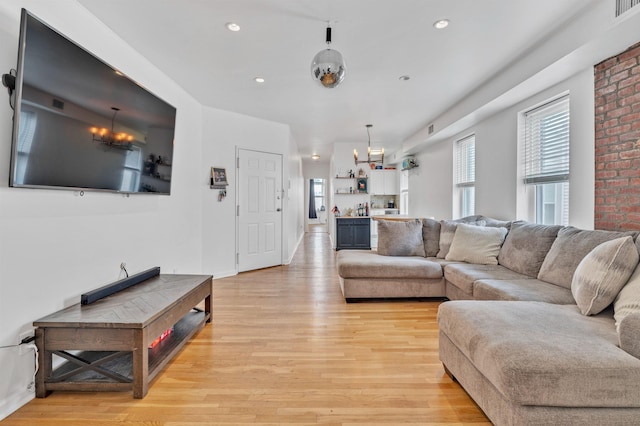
<point x="442" y="262"/>
<point x="566" y="252"/>
<point x="494" y="223"/>
<point x="369" y="264"/>
<point x="431" y="237"/>
<point x="543" y="354"/>
<point x="629" y="334"/>
<point x="463" y="275"/>
<point x="448" y="230"/>
<point x="526" y="246"/>
<point x="529" y="289"/>
<point x="602" y="273"/>
<point x="628" y="300"/>
<point x="476" y="244"/>
<point x="400" y="238"/>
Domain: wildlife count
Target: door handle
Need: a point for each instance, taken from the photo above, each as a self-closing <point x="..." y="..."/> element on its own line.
<point x="278" y="209"/>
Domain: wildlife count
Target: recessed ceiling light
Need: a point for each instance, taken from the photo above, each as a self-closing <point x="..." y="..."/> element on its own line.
<point x="232" y="26"/>
<point x="441" y="24"/>
<point x="259" y="80"/>
<point x="315" y="157"/>
<point x="404" y="78"/>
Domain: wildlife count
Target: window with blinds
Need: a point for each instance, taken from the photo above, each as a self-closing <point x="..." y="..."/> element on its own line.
<point x="465" y="174"/>
<point x="132" y="170"/>
<point x="546" y="143"/>
<point x="546" y="160"/>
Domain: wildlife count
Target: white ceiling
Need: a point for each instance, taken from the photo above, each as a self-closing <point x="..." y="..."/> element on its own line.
<point x="380" y="41"/>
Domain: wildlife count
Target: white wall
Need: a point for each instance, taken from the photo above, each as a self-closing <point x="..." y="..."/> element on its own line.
<point x="225" y="133"/>
<point x="431" y="184"/>
<point x="56" y="245"/>
<point x="294" y="201"/>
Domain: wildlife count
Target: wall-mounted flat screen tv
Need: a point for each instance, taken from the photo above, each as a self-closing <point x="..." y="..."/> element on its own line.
<point x="80" y="124"/>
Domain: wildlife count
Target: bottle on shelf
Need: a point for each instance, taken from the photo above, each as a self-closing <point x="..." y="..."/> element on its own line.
<point x="366" y="209"/>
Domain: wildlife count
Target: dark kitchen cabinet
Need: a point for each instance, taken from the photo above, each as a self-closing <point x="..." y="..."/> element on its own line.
<point x="353" y="233"/>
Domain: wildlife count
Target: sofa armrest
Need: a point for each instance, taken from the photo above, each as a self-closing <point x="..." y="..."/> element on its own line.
<point x="629" y="334"/>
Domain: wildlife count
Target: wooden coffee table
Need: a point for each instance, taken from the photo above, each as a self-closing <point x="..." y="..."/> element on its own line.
<point x="106" y="344"/>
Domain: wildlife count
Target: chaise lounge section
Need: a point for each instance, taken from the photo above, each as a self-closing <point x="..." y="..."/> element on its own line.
<point x="538" y="363"/>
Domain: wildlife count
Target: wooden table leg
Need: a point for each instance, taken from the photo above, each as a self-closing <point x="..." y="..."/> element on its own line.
<point x="207" y="306"/>
<point x="140" y="365"/>
<point x="44" y="362"/>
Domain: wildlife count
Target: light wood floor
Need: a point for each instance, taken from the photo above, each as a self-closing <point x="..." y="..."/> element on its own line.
<point x="285" y="348"/>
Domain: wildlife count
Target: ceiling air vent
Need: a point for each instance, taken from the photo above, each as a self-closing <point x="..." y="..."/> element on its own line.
<point x="57" y="103"/>
<point x="624" y="5"/>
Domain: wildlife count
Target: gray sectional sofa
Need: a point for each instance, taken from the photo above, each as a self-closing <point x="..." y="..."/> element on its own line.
<point x="534" y="329"/>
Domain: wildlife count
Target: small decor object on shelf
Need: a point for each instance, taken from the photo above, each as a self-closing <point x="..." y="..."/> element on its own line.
<point x="218" y="178"/>
<point x="409" y="163"/>
<point x="362" y="185"/>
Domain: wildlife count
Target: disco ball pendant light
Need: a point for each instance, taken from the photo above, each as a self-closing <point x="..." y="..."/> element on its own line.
<point x="328" y="67"/>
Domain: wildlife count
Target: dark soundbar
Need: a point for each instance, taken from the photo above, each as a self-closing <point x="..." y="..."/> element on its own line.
<point x="117" y="286"/>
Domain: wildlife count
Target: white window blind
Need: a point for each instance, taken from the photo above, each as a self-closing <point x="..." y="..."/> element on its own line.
<point x="546" y="143"/>
<point x="466" y="161"/>
<point x="465" y="174"/>
<point x="28" y="124"/>
<point x="132" y="170"/>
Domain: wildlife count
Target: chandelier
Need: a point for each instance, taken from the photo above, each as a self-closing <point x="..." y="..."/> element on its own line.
<point x="328" y="67"/>
<point x="110" y="138"/>
<point x="373" y="156"/>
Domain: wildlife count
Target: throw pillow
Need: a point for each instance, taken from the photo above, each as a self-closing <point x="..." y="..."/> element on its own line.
<point x="602" y="273"/>
<point x="629" y="334"/>
<point x="400" y="238"/>
<point x="628" y="300"/>
<point x="447" y="231"/>
<point x="476" y="244"/>
<point x="431" y="237"/>
<point x="569" y="248"/>
<point x="526" y="246"/>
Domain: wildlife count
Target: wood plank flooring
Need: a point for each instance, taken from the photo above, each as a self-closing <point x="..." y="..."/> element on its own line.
<point x="285" y="348"/>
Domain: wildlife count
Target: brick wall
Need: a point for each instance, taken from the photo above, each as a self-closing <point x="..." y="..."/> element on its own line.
<point x="617" y="141"/>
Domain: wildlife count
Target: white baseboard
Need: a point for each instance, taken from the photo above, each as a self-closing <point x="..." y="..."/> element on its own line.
<point x="14" y="401"/>
<point x="288" y="261"/>
<point x="224" y="274"/>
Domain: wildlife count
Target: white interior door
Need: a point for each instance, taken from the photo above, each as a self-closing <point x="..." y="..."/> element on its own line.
<point x="259" y="210"/>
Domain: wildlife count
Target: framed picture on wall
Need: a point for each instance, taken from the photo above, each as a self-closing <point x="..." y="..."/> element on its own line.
<point x="362" y="185"/>
<point x="219" y="177"/>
